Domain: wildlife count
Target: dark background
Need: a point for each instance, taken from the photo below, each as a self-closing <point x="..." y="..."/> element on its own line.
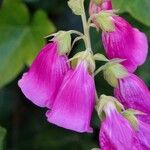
<point x="23" y="24"/>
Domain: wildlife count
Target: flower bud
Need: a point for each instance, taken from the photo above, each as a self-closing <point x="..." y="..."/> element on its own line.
<point x="76" y="6"/>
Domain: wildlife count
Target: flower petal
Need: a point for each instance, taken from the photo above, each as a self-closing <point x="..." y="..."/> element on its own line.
<point x="133" y="93"/>
<point x="117" y="134"/>
<point x="74" y="103"/>
<point x="41" y="83"/>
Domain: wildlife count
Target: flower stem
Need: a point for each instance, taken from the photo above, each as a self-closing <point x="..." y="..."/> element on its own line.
<point x="86" y="30"/>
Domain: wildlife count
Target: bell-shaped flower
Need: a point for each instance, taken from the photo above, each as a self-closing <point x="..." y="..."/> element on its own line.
<point x="124" y="41"/>
<point x="42" y="82"/>
<point x="133" y="93"/>
<point x="74" y="103"/>
<point x="116" y="133"/>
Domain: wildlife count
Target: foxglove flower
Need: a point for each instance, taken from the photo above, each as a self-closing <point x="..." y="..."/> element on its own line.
<point x="133" y="93"/>
<point x="124" y="41"/>
<point x="74" y="103"/>
<point x="116" y="132"/>
<point x="143" y="133"/>
<point x="41" y="83"/>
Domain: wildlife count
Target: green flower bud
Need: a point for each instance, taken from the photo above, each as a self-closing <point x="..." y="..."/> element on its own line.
<point x="76" y="6"/>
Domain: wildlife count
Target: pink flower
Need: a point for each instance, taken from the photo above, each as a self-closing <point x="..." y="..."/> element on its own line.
<point x="116" y="133"/>
<point x="143" y="134"/>
<point x="133" y="93"/>
<point x="124" y="42"/>
<point x="93" y="8"/>
<point x="74" y="103"/>
<point x="41" y="83"/>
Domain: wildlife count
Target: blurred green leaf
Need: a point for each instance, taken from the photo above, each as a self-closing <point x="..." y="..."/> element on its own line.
<point x="2" y="136"/>
<point x="21" y="37"/>
<point x="137" y="8"/>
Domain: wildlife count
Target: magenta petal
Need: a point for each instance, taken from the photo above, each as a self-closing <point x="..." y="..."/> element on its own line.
<point x="133" y="93"/>
<point x="93" y="8"/>
<point x="117" y="134"/>
<point x="74" y="103"/>
<point x="126" y="43"/>
<point x="41" y="83"/>
<point x="143" y="134"/>
<point x="144" y="118"/>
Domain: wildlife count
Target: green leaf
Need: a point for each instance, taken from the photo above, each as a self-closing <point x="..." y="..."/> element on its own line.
<point x="2" y="136"/>
<point x="137" y="8"/>
<point x="20" y="38"/>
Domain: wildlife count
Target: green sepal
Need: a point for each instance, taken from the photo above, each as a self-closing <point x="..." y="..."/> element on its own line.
<point x="64" y="41"/>
<point x="76" y="6"/>
<point x="105" y="21"/>
<point x="114" y="71"/>
<point x="81" y="56"/>
<point x="104" y="101"/>
<point x="95" y="149"/>
<point x="100" y="57"/>
<point x="130" y="115"/>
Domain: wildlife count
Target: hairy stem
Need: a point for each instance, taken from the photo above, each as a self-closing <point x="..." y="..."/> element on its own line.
<point x="86" y="30"/>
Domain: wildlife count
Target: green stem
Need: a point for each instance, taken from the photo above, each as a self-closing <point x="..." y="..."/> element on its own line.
<point x="86" y="30"/>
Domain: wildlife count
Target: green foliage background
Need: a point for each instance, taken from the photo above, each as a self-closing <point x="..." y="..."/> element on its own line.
<point x="23" y="24"/>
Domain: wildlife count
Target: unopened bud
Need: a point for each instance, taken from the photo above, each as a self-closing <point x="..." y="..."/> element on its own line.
<point x="76" y="6"/>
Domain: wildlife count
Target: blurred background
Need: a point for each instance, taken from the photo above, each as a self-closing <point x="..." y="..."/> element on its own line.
<point x="23" y="24"/>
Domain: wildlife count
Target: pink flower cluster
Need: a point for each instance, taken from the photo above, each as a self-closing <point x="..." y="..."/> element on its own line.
<point x="130" y="44"/>
<point x="69" y="93"/>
